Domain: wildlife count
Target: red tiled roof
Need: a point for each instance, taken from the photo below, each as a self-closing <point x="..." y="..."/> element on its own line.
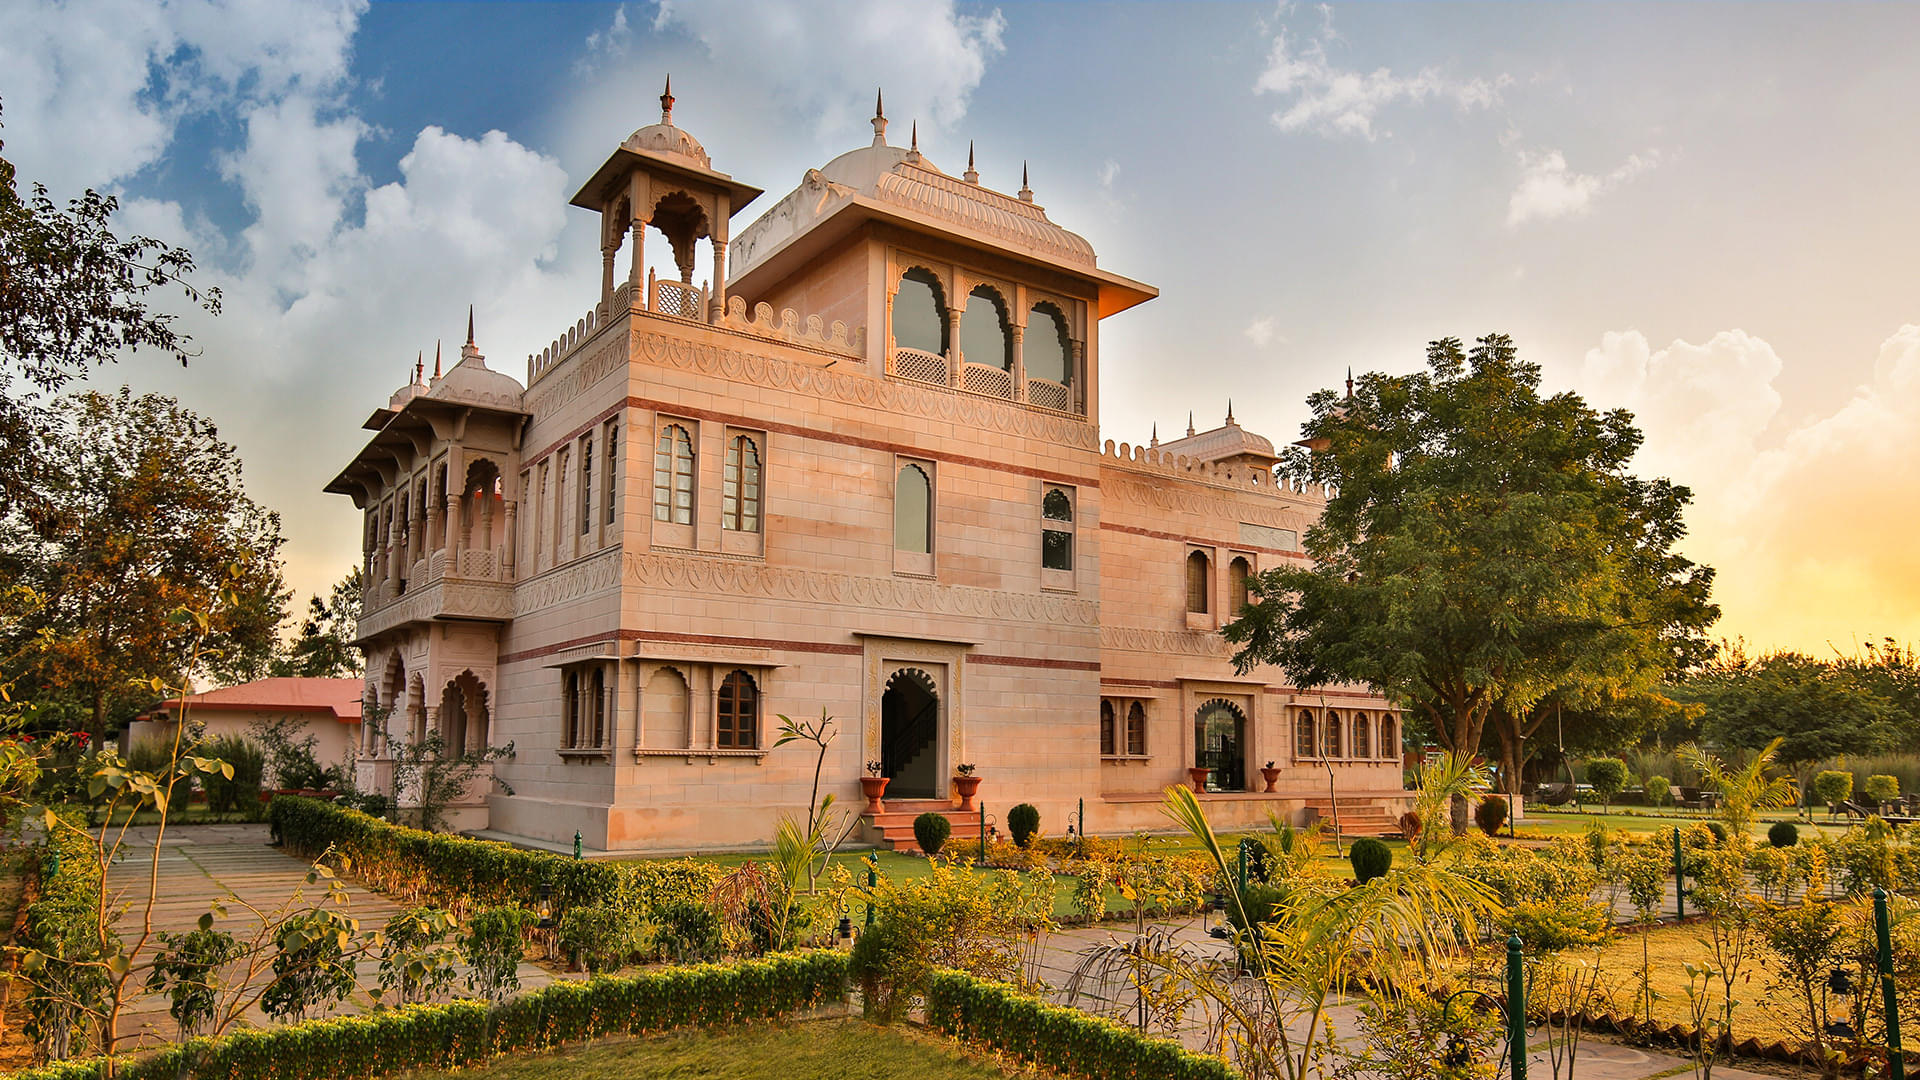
<point x="338" y="697"/>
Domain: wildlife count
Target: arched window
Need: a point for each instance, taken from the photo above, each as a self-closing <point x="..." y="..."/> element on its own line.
<point x="920" y="313"/>
<point x="1362" y="736"/>
<point x="1238" y="571"/>
<point x="613" y="467"/>
<point x="1056" y="530"/>
<point x="1106" y="729"/>
<point x="913" y="510"/>
<point x="1199" y="582"/>
<point x="595" y="731"/>
<point x="740" y="491"/>
<point x="985" y="336"/>
<point x="1045" y="349"/>
<point x="1332" y="729"/>
<point x="673" y="476"/>
<point x="664" y="715"/>
<point x="739" y="713"/>
<point x="1389" y="742"/>
<point x="1303" y="735"/>
<point x="570" y="703"/>
<point x="1137" y="730"/>
<point x="586" y="485"/>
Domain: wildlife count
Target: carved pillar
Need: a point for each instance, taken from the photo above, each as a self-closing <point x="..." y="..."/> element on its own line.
<point x="417" y="549"/>
<point x="1019" y="363"/>
<point x="956" y="360"/>
<point x="1080" y="377"/>
<point x="452" y="516"/>
<point x="486" y="522"/>
<point x="513" y="535"/>
<point x="717" y="305"/>
<point x="393" y="569"/>
<point x="427" y="720"/>
<point x="607" y="251"/>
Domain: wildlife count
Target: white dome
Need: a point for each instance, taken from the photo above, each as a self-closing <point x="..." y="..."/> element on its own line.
<point x="671" y="141"/>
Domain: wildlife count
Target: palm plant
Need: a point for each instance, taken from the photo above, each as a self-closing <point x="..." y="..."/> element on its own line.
<point x="1443" y="781"/>
<point x="1742" y="789"/>
<point x="1397" y="930"/>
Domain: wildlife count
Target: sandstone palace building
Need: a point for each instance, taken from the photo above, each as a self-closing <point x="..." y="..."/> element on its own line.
<point x="858" y="469"/>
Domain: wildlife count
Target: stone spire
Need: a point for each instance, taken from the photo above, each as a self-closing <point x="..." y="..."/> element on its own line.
<point x="1189" y="423"/>
<point x="913" y="143"/>
<point x="970" y="176"/>
<point x="666" y="103"/>
<point x="1229" y="412"/>
<point x="436" y="358"/>
<point x="1349" y="383"/>
<point x="879" y="120"/>
<point x="1026" y="193"/>
<point x="470" y="351"/>
<point x="1156" y="434"/>
<point x="419" y="366"/>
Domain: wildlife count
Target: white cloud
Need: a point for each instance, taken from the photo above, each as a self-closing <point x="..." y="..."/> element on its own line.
<point x="1325" y="99"/>
<point x="823" y="60"/>
<point x="1263" y="331"/>
<point x="1108" y="174"/>
<point x="1549" y="189"/>
<point x="1801" y="523"/>
<point x="611" y="43"/>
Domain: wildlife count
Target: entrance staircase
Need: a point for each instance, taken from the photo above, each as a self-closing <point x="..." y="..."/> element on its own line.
<point x="895" y="826"/>
<point x="1360" y="815"/>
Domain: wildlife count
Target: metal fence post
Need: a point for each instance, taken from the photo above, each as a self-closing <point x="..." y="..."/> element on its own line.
<point x="983" y="831"/>
<point x="1896" y="1061"/>
<point x="1516" y="1009"/>
<point x="873" y="881"/>
<point x="1679" y="877"/>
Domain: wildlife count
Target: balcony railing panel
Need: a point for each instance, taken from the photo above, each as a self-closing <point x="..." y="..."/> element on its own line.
<point x="1049" y="395"/>
<point x="920" y="366"/>
<point x="988" y="381"/>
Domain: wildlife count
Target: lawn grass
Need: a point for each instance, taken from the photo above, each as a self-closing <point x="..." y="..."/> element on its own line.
<point x="1764" y="1012"/>
<point x="1545" y="824"/>
<point x="808" y="1050"/>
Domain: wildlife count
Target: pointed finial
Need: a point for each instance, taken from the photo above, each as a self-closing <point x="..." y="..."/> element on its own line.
<point x="1349" y="382"/>
<point x="914" y="137"/>
<point x="879" y="120"/>
<point x="419" y="365"/>
<point x="1189" y="423"/>
<point x="469" y="324"/>
<point x="879" y="106"/>
<point x="1026" y="193"/>
<point x="666" y="103"/>
<point x="1229" y="412"/>
<point x="436" y="358"/>
<point x="1156" y="434"/>
<point x="970" y="176"/>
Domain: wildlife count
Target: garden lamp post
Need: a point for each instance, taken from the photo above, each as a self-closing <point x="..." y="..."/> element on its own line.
<point x="543" y="909"/>
<point x="1516" y="1009"/>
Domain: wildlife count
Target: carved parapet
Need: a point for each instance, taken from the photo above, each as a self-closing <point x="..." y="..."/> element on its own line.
<point x="488" y="601"/>
<point x="1152" y="460"/>
<point x="788" y="327"/>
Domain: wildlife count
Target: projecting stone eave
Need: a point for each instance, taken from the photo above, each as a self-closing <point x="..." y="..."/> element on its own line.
<point x="405" y="432"/>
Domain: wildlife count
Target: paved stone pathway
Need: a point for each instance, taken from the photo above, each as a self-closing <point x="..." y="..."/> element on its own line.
<point x="201" y="864"/>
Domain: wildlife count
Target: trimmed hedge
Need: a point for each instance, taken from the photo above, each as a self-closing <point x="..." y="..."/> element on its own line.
<point x="1067" y="1041"/>
<point x="464" y="874"/>
<point x="468" y="1033"/>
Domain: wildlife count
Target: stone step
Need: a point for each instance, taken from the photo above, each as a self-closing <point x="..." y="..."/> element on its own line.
<point x="895" y="826"/>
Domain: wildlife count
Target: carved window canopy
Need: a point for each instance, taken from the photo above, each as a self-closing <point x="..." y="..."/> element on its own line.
<point x="712" y="754"/>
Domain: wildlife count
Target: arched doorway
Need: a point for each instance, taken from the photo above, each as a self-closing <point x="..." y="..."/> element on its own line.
<point x="910" y="735"/>
<point x="463" y="715"/>
<point x="1219" y="744"/>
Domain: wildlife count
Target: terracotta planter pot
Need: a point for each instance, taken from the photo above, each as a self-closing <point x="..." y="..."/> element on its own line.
<point x="965" y="786"/>
<point x="1270" y="776"/>
<point x="1197" y="778"/>
<point x="873" y="787"/>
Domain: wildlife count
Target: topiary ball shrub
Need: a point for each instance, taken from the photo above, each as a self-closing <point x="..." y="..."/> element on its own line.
<point x="1658" y="789"/>
<point x="930" y="831"/>
<point x="1718" y="830"/>
<point x="1783" y="834"/>
<point x="1608" y="775"/>
<point x="1833" y="786"/>
<point x="1370" y="859"/>
<point x="1023" y="822"/>
<point x="1881" y="789"/>
<point x="1491" y="814"/>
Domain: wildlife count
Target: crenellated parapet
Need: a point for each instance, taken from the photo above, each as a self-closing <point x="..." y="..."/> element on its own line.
<point x="812" y="332"/>
<point x="1148" y="459"/>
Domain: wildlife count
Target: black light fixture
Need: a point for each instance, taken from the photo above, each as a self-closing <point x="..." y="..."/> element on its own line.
<point x="1840" y="983"/>
<point x="846" y="928"/>
<point x="544" y="908"/>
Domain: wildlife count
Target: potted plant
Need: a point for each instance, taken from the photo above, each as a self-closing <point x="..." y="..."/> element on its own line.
<point x="873" y="785"/>
<point x="1270" y="775"/>
<point x="1197" y="777"/>
<point x="965" y="784"/>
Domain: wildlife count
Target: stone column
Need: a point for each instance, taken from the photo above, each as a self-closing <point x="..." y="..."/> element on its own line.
<point x="417" y="513"/>
<point x="452" y="518"/>
<point x="486" y="521"/>
<point x="513" y="536"/>
<point x="717" y="303"/>
<point x="956" y="360"/>
<point x="394" y="568"/>
<point x="1079" y="370"/>
<point x="1019" y="363"/>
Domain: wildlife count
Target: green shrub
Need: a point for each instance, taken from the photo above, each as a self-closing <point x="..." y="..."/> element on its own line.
<point x="1783" y="834"/>
<point x="311" y="971"/>
<point x="1882" y="789"/>
<point x="185" y="970"/>
<point x="1833" y="786"/>
<point x="492" y="944"/>
<point x="1023" y="822"/>
<point x="468" y="1034"/>
<point x="61" y="928"/>
<point x="598" y="935"/>
<point x="1066" y="1042"/>
<point x="150" y="755"/>
<point x="415" y="959"/>
<point x="1491" y="814"/>
<point x="1258" y="901"/>
<point x="242" y="791"/>
<point x="930" y="831"/>
<point x="690" y="932"/>
<point x="1719" y="831"/>
<point x="1608" y="775"/>
<point x="1370" y="859"/>
<point x="1659" y="789"/>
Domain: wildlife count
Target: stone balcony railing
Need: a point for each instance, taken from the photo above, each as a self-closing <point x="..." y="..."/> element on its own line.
<point x="981" y="380"/>
<point x="467" y="583"/>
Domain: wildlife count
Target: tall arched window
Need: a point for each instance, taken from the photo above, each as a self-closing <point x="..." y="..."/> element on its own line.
<point x="1106" y="729"/>
<point x="1046" y="350"/>
<point x="664" y="712"/>
<point x="595" y="730"/>
<point x="1238" y="571"/>
<point x="586" y="485"/>
<point x="1056" y="530"/>
<point x="738" y="714"/>
<point x="913" y="510"/>
<point x="1137" y="730"/>
<point x="613" y="467"/>
<point x="985" y="335"/>
<point x="1199" y="582"/>
<point x="740" y="491"/>
<point x="1389" y="741"/>
<point x="1362" y="736"/>
<point x="673" y="476"/>
<point x="570" y="703"/>
<point x="1331" y="748"/>
<point x="920" y="313"/>
<point x="1304" y="734"/>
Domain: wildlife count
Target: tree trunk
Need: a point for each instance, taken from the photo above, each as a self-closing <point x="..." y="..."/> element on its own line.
<point x="1458" y="815"/>
<point x="1510" y="764"/>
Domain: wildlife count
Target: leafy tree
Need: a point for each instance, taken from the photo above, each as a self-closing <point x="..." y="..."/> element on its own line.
<point x="1483" y="548"/>
<point x="325" y="649"/>
<point x="73" y="295"/>
<point x="142" y="514"/>
<point x="1608" y="775"/>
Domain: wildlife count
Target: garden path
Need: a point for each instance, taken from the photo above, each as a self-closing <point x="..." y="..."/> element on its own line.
<point x="204" y="864"/>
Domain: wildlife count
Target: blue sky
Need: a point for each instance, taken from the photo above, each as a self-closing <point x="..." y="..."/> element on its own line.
<point x="1703" y="212"/>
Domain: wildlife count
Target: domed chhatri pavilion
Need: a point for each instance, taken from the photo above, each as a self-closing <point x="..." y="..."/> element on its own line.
<point x="863" y="475"/>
